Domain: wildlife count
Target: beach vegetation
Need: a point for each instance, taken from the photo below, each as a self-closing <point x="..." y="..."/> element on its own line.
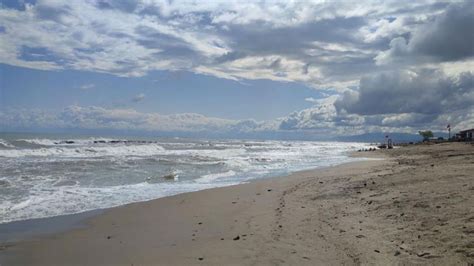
<point x="427" y="134"/>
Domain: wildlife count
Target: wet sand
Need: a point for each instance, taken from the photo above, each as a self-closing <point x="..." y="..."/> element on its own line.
<point x="415" y="206"/>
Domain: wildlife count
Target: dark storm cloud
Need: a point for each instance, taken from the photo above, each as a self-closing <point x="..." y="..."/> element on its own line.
<point x="450" y="37"/>
<point x="262" y="39"/>
<point x="446" y="37"/>
<point x="425" y="92"/>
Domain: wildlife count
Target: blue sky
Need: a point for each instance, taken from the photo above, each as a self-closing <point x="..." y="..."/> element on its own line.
<point x="162" y="91"/>
<point x="227" y="67"/>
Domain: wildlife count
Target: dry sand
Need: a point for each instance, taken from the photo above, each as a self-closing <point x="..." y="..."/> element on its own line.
<point x="414" y="207"/>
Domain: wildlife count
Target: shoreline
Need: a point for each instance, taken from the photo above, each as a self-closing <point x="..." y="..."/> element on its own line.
<point x="30" y="229"/>
<point x="25" y="230"/>
<point x="413" y="207"/>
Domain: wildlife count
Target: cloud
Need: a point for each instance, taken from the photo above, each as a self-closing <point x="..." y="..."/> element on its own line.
<point x="395" y="101"/>
<point x="323" y="118"/>
<point x="394" y="66"/>
<point x="138" y="98"/>
<point x="325" y="45"/>
<point x="412" y="100"/>
<point x="326" y="119"/>
<point x="426" y="91"/>
<point x="93" y="117"/>
<point x="447" y="37"/>
<point x="87" y="86"/>
<point x="311" y="100"/>
<point x="27" y="118"/>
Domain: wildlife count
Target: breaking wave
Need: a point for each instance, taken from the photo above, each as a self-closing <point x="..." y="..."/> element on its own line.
<point x="41" y="177"/>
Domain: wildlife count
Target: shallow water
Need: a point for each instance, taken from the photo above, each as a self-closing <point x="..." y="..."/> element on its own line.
<point x="49" y="176"/>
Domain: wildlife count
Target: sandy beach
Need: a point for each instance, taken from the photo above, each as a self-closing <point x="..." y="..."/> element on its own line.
<point x="414" y="205"/>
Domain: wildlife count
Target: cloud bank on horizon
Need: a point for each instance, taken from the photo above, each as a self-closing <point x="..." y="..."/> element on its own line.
<point x="392" y="66"/>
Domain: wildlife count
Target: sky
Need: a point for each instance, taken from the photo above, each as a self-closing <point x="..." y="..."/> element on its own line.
<point x="237" y="68"/>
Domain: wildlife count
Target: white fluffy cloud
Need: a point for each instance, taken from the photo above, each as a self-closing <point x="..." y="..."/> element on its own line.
<point x="396" y="65"/>
<point x="322" y="44"/>
<point x="93" y="117"/>
<point x="98" y="117"/>
<point x="395" y="101"/>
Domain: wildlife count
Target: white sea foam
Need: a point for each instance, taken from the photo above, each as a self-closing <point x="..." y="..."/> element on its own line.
<point x="213" y="177"/>
<point x="56" y="179"/>
<point x="92" y="151"/>
<point x="68" y="200"/>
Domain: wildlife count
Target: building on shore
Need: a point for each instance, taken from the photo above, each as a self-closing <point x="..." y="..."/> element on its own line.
<point x="465" y="135"/>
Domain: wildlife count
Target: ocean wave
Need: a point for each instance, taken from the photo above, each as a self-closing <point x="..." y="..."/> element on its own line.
<point x="78" y="152"/>
<point x="6" y="144"/>
<point x="69" y="142"/>
<point x="213" y="177"/>
<point x="41" y="142"/>
<point x="4" y="183"/>
<point x="69" y="200"/>
<point x="46" y="179"/>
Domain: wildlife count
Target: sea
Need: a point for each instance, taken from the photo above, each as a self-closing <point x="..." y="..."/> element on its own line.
<point x="51" y="175"/>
